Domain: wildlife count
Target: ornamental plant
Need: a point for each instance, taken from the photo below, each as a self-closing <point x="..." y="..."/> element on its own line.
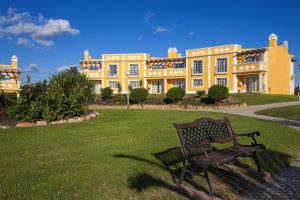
<point x="138" y="95"/>
<point x="67" y="94"/>
<point x="218" y="93"/>
<point x="175" y="94"/>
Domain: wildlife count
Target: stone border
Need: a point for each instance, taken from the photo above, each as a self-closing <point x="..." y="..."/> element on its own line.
<point x="171" y="107"/>
<point x="85" y="117"/>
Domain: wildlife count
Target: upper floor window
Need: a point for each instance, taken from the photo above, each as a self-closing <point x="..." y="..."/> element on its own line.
<point x="112" y="70"/>
<point x="221" y="65"/>
<point x="4" y="77"/>
<point x="252" y="58"/>
<point x="134" y="84"/>
<point x="178" y="65"/>
<point x="197" y="67"/>
<point x="133" y="70"/>
<point x="113" y="84"/>
<point x="93" y="68"/>
<point x="158" y="66"/>
<point x="221" y="81"/>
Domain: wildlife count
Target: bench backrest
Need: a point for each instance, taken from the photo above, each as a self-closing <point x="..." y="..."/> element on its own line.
<point x="203" y="132"/>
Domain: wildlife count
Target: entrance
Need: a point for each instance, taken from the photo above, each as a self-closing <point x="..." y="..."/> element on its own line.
<point x="252" y="84"/>
<point x="157" y="87"/>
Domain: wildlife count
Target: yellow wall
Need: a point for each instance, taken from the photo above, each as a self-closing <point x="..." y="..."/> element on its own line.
<point x="12" y="85"/>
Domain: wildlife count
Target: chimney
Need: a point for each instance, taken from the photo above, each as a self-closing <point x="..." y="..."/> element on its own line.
<point x="172" y="52"/>
<point x="14" y="61"/>
<point x="285" y="45"/>
<point x="273" y="40"/>
<point x="86" y="55"/>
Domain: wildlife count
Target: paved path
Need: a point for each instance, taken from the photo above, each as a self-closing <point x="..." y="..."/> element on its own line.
<point x="286" y="187"/>
<point x="250" y="112"/>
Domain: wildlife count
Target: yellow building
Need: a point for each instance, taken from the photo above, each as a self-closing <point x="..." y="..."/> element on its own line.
<point x="10" y="76"/>
<point x="268" y="70"/>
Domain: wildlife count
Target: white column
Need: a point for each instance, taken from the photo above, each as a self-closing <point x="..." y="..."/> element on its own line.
<point x="208" y="69"/>
<point x="123" y="74"/>
<point x="186" y="71"/>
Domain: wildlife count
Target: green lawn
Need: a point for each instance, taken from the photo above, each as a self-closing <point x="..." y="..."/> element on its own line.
<point x="259" y="99"/>
<point x="111" y="157"/>
<point x="288" y="112"/>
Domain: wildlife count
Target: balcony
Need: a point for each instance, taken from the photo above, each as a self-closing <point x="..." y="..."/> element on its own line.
<point x="250" y="67"/>
<point x="93" y="75"/>
<point x="170" y="72"/>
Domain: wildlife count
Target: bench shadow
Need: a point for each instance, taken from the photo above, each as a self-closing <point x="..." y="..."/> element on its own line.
<point x="237" y="178"/>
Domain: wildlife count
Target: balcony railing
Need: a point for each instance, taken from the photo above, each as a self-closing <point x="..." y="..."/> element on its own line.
<point x="249" y="67"/>
<point x="93" y="74"/>
<point x="170" y="72"/>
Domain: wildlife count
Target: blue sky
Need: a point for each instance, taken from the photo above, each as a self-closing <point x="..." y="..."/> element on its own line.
<point x="50" y="35"/>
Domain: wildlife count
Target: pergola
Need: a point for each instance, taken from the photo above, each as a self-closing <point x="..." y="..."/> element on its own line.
<point x="164" y="62"/>
<point x="252" y="52"/>
<point x="12" y="73"/>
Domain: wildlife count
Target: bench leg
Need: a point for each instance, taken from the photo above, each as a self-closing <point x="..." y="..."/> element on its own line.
<point x="211" y="193"/>
<point x="256" y="161"/>
<point x="182" y="173"/>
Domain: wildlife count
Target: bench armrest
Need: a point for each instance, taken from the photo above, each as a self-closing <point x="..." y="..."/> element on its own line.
<point x="251" y="135"/>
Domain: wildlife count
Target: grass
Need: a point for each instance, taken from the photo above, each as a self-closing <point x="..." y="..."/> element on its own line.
<point x="111" y="157"/>
<point x="288" y="112"/>
<point x="260" y="99"/>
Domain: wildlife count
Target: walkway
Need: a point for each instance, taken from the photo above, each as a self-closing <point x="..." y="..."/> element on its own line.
<point x="250" y="112"/>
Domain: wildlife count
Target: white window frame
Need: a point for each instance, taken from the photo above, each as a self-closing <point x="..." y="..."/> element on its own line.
<point x="110" y="70"/>
<point x="137" y="81"/>
<point x="183" y="86"/>
<point x="216" y="80"/>
<point x="194" y="86"/>
<point x="202" y="61"/>
<point x="216" y="62"/>
<point x="108" y="83"/>
<point x="138" y="70"/>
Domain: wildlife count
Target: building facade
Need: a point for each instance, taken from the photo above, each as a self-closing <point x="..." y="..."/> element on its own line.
<point x="268" y="70"/>
<point x="10" y="76"/>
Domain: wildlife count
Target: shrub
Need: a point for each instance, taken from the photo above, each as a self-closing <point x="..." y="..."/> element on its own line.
<point x="138" y="95"/>
<point x="66" y="95"/>
<point x="200" y="93"/>
<point x="119" y="88"/>
<point x="175" y="94"/>
<point x="106" y="93"/>
<point x="218" y="92"/>
<point x="7" y="99"/>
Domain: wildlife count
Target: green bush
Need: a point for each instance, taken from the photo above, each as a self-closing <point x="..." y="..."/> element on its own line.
<point x="200" y="93"/>
<point x="175" y="94"/>
<point x="138" y="95"/>
<point x="218" y="93"/>
<point x="296" y="90"/>
<point x="106" y="93"/>
<point x="66" y="95"/>
<point x="7" y="99"/>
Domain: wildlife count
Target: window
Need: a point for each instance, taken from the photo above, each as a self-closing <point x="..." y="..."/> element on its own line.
<point x="252" y="58"/>
<point x="93" y="68"/>
<point x="179" y="83"/>
<point x="134" y="84"/>
<point x="222" y="81"/>
<point x="4" y="77"/>
<point x="197" y="82"/>
<point x="112" y="70"/>
<point x="158" y="66"/>
<point x="133" y="70"/>
<point x="178" y="65"/>
<point x="221" y="65"/>
<point x="113" y="84"/>
<point x="197" y="67"/>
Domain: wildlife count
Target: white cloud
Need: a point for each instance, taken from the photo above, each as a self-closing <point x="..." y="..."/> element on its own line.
<point x="160" y="29"/>
<point x="25" y="42"/>
<point x="65" y="67"/>
<point x="32" y="68"/>
<point x="149" y="17"/>
<point x="191" y="33"/>
<point x="40" y="30"/>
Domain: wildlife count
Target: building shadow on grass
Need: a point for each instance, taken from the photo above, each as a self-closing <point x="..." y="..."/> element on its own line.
<point x="239" y="177"/>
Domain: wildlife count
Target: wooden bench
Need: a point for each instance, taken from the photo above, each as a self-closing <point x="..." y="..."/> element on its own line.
<point x="196" y="139"/>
